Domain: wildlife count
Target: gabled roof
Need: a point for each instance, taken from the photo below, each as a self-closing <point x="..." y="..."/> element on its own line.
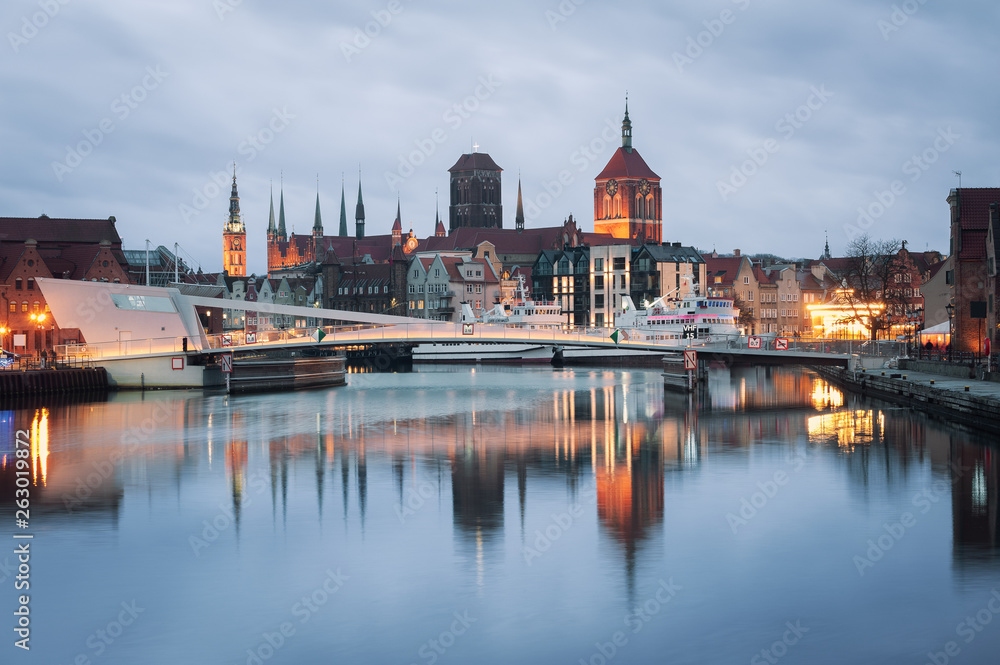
<point x="47" y="230"/>
<point x="625" y="164"/>
<point x="726" y="267"/>
<point x="974" y="220"/>
<point x="477" y="161"/>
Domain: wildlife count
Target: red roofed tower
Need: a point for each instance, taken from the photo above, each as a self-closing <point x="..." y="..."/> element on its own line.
<point x="628" y="201"/>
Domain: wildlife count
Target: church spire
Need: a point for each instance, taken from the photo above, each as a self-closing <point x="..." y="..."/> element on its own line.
<point x="343" y="211"/>
<point x="626" y="129"/>
<point x="235" y="222"/>
<point x="397" y="226"/>
<point x="826" y="248"/>
<point x="272" y="230"/>
<point x="519" y="216"/>
<point x="439" y="231"/>
<point x="318" y="221"/>
<point x="359" y="214"/>
<point x="282" y="235"/>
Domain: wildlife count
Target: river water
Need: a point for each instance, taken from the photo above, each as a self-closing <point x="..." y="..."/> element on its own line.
<point x="453" y="515"/>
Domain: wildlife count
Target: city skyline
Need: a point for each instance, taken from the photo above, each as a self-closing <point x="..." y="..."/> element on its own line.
<point x="817" y="104"/>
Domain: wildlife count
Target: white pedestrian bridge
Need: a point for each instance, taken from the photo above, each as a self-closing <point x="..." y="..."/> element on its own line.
<point x="122" y="321"/>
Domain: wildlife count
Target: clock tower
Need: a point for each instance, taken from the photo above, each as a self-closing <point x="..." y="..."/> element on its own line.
<point x="234" y="237"/>
<point x="628" y="202"/>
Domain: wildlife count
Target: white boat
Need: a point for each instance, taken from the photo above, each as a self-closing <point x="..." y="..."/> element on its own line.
<point x="688" y="320"/>
<point x="518" y="311"/>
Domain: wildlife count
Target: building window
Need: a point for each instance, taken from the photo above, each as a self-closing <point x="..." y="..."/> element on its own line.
<point x="479" y="304"/>
<point x="619" y="263"/>
<point x="437" y="272"/>
<point x="598" y="264"/>
<point x="24" y="306"/>
<point x="598" y="301"/>
<point x="31" y="283"/>
<point x="479" y="288"/>
<point x="468" y="288"/>
<point x="746" y="280"/>
<point x="598" y="281"/>
<point x="18" y="284"/>
<point x="13" y="306"/>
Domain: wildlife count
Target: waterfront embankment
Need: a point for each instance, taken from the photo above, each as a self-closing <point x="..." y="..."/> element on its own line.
<point x="957" y="399"/>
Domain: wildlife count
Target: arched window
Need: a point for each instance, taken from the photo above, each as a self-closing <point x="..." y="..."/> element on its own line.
<point x="24" y="306"/>
<point x="618" y="206"/>
<point x="650" y="208"/>
<point x="607" y="206"/>
<point x="640" y="207"/>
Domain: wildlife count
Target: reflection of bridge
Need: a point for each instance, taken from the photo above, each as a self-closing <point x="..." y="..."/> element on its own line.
<point x="156" y="325"/>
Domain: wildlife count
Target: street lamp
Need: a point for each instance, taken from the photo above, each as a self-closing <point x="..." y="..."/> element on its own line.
<point x="951" y="331"/>
<point x="39" y="320"/>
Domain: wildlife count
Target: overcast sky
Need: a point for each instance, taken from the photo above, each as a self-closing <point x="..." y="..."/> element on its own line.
<point x="768" y="122"/>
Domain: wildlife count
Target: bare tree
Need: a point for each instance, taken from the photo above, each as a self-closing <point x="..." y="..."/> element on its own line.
<point x="871" y="284"/>
<point x="746" y="318"/>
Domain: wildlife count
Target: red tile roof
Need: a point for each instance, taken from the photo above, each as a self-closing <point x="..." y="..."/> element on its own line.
<point x="624" y="164"/>
<point x="974" y="220"/>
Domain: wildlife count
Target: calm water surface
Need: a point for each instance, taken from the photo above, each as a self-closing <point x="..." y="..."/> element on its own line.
<point x="506" y="516"/>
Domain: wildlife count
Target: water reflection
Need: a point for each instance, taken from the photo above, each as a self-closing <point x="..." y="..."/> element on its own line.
<point x="501" y="451"/>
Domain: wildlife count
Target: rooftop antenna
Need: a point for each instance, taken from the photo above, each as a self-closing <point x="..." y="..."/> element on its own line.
<point x="959" y="174"/>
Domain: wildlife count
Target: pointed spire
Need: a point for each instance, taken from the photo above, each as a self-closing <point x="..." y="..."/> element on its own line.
<point x="318" y="221"/>
<point x="282" y="235"/>
<point x="359" y="214"/>
<point x="235" y="223"/>
<point x="826" y="248"/>
<point x="519" y="216"/>
<point x="627" y="129"/>
<point x="438" y="224"/>
<point x="343" y="210"/>
<point x="272" y="230"/>
<point x="398" y="224"/>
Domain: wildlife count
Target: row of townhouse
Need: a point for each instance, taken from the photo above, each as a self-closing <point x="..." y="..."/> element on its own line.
<point x="439" y="284"/>
<point x="294" y="289"/>
<point x="591" y="282"/>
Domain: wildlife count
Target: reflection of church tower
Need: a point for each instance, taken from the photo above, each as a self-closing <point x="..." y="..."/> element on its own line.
<point x="234" y="237"/>
<point x="629" y="490"/>
<point x="475" y="193"/>
<point x="628" y="201"/>
<point x="477" y="478"/>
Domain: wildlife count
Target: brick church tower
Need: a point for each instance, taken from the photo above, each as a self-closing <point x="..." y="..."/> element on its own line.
<point x="234" y="237"/>
<point x="475" y="193"/>
<point x="628" y="201"/>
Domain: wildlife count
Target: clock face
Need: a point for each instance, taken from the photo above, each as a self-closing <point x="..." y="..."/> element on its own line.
<point x="411" y="244"/>
<point x="237" y="244"/>
<point x="644" y="187"/>
<point x="612" y="187"/>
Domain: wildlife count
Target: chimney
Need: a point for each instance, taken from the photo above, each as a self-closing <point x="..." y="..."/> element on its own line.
<point x="736" y="252"/>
